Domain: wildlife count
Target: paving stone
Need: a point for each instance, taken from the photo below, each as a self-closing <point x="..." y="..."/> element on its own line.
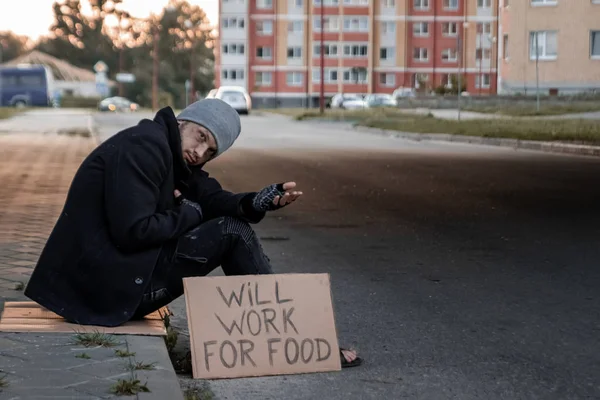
<point x="44" y="366"/>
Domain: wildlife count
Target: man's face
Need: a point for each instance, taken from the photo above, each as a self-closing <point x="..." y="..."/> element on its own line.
<point x="197" y="143"/>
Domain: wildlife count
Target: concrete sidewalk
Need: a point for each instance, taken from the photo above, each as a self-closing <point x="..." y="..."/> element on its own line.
<point x="36" y="171"/>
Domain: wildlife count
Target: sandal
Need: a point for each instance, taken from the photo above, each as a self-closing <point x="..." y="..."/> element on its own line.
<point x="346" y="364"/>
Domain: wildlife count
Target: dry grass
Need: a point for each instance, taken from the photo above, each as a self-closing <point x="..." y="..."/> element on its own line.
<point x="7" y="112"/>
<point x="568" y="130"/>
<point x="545" y="110"/>
<point x="129" y="387"/>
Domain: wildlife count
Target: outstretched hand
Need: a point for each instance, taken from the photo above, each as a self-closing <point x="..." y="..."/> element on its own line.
<point x="275" y="196"/>
<point x="288" y="197"/>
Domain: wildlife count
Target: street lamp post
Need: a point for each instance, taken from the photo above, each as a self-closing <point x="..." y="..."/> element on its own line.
<point x="465" y="26"/>
<point x="322" y="54"/>
<point x="190" y="95"/>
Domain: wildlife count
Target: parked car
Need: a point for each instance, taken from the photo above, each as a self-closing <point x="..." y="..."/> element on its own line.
<point x="404" y="92"/>
<point x="118" y="103"/>
<point x="236" y="96"/>
<point x="348" y="101"/>
<point x="380" y="100"/>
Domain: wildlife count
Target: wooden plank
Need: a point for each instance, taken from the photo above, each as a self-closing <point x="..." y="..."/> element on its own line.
<point x="155" y="328"/>
<point x="32" y="309"/>
<point x="21" y="304"/>
<point x="32" y="313"/>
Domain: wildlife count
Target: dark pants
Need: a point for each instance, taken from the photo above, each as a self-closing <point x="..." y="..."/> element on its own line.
<point x="227" y="242"/>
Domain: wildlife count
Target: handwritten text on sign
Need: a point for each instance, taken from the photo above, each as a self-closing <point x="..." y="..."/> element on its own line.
<point x="261" y="325"/>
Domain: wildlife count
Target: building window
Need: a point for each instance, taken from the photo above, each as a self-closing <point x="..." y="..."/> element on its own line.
<point x="484" y="3"/>
<point x="486" y="54"/>
<point x="451" y="4"/>
<point x="357" y="76"/>
<point x="595" y="44"/>
<point x="420" y="54"/>
<point x="386" y="53"/>
<point x="388" y="27"/>
<point x="263" y="78"/>
<point x="330" y="50"/>
<point x="505" y="47"/>
<point x="447" y="80"/>
<point x="331" y="75"/>
<point x="294" y="52"/>
<point x="232" y="23"/>
<point x="449" y="28"/>
<point x="388" y="3"/>
<point x="420" y="29"/>
<point x="544" y="2"/>
<point x="356" y="24"/>
<point x="506" y="3"/>
<point x="356" y="2"/>
<point x="420" y="79"/>
<point x="233" y="48"/>
<point x="299" y="3"/>
<point x="449" y="55"/>
<point x="485" y="28"/>
<point x="294" y="78"/>
<point x="387" y="79"/>
<point x="232" y="74"/>
<point x="355" y="50"/>
<point x="264" y="4"/>
<point x="421" y="4"/>
<point x="295" y="27"/>
<point x="328" y="3"/>
<point x="483" y="77"/>
<point x="266" y="53"/>
<point x="264" y="27"/>
<point x="332" y="24"/>
<point x="547" y="45"/>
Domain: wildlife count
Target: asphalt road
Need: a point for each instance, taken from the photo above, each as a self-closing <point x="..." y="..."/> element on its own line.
<point x="458" y="272"/>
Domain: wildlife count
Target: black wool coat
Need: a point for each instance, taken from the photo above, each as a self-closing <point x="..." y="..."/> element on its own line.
<point x="120" y="213"/>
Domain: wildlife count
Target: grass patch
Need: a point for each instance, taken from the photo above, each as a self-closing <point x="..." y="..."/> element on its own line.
<point x="129" y="387"/>
<point x="3" y="381"/>
<point x="7" y="112"/>
<point x="199" y="393"/>
<point x="171" y="338"/>
<point x="123" y="353"/>
<point x="531" y="110"/>
<point x="83" y="132"/>
<point x="85" y="356"/>
<point x="140" y="365"/>
<point x="19" y="286"/>
<point x="568" y="130"/>
<point x="95" y="339"/>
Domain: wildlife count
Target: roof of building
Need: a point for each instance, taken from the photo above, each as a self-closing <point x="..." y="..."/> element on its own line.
<point x="62" y="70"/>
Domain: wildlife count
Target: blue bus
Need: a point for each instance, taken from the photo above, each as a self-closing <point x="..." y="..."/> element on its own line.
<point x="26" y="86"/>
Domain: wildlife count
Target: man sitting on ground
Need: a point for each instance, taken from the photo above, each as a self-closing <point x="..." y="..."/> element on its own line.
<point x="141" y="215"/>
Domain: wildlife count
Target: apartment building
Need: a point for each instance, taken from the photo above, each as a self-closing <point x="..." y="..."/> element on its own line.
<point x="567" y="36"/>
<point x="273" y="47"/>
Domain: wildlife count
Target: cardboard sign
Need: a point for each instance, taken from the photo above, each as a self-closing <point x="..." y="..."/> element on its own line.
<point x="256" y="325"/>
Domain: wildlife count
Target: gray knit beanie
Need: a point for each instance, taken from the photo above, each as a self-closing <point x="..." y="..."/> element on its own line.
<point x="216" y="116"/>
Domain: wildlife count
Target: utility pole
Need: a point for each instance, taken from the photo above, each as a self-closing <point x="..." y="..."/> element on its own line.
<point x="482" y="49"/>
<point x="459" y="48"/>
<point x="322" y="54"/>
<point x="537" y="71"/>
<point x="155" y="71"/>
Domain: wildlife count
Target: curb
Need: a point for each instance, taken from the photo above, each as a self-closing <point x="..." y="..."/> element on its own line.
<point x="548" y="147"/>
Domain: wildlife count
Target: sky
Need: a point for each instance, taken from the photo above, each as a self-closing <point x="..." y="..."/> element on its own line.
<point x="33" y="17"/>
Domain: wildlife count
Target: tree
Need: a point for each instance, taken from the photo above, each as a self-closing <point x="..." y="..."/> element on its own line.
<point x="185" y="48"/>
<point x="79" y="39"/>
<point x="126" y="44"/>
<point x="12" y="46"/>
